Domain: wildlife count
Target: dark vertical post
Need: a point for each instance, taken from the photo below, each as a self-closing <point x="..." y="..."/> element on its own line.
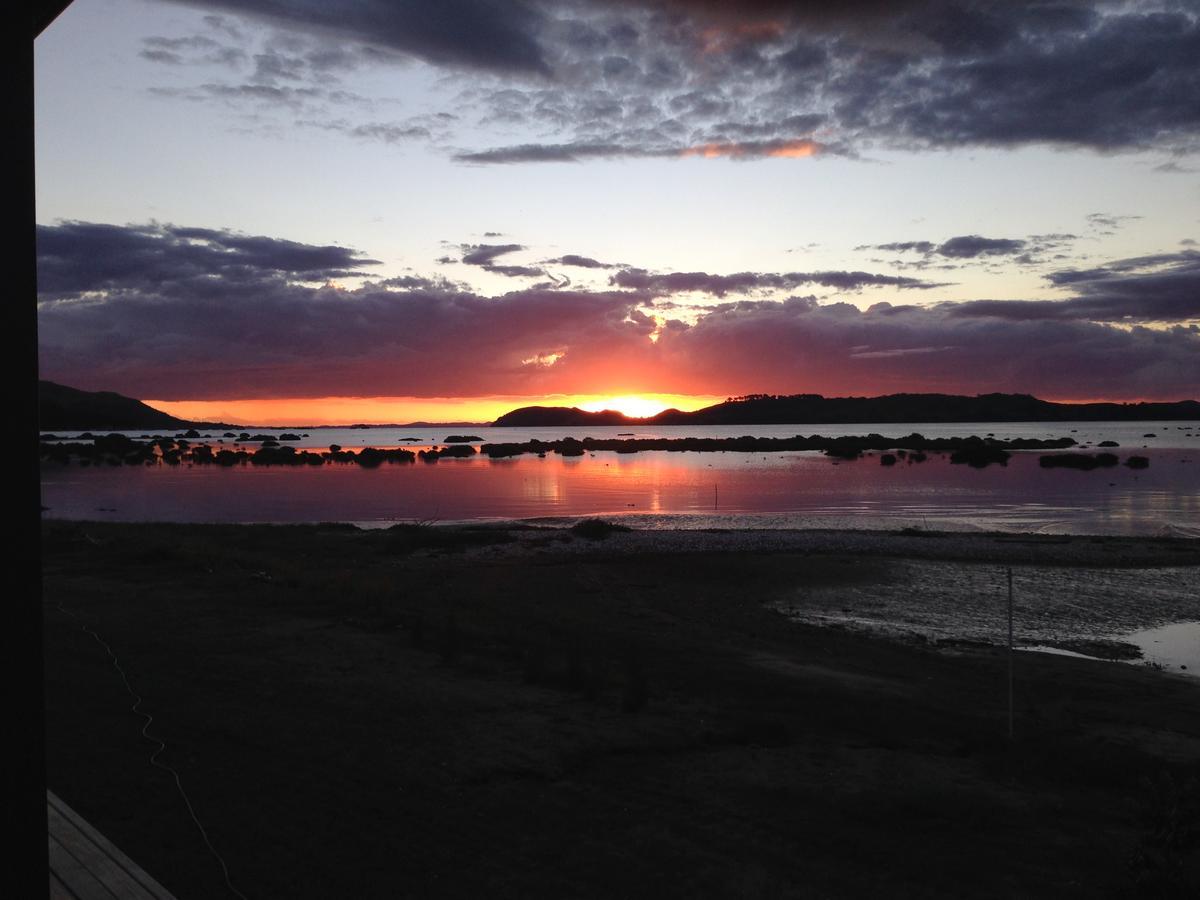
<point x="25" y="773"/>
<point x="1010" y="655"/>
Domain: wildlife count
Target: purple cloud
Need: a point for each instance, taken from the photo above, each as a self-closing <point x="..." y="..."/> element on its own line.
<point x="239" y="316"/>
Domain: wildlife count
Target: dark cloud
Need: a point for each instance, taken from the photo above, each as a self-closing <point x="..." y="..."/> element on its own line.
<point x="637" y="78"/>
<point x="1108" y="222"/>
<point x="272" y="66"/>
<point x="524" y="153"/>
<point x="248" y="332"/>
<point x="738" y="131"/>
<point x="485" y="255"/>
<point x="1069" y="277"/>
<point x="1006" y="74"/>
<point x="162" y="56"/>
<point x="490" y="35"/>
<point x="584" y="150"/>
<point x="972" y="245"/>
<point x="1161" y="288"/>
<point x="77" y="257"/>
<point x="902" y="247"/>
<point x="582" y="262"/>
<point x="183" y="313"/>
<point x="1164" y="288"/>
<point x="939" y="73"/>
<point x="389" y="132"/>
<point x="417" y="283"/>
<point x="1053" y="238"/>
<point x="518" y="271"/>
<point x="748" y="282"/>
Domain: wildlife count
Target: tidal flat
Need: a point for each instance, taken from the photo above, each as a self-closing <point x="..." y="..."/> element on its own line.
<point x="511" y="711"/>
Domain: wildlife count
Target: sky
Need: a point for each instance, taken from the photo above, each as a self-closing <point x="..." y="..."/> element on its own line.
<point x="276" y="211"/>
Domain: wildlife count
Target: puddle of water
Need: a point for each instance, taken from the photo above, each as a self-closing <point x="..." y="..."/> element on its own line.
<point x="1175" y="647"/>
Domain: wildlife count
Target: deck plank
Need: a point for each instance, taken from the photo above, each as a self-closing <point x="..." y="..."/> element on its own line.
<point x="58" y="890"/>
<point x="84" y="865"/>
<point x="75" y="874"/>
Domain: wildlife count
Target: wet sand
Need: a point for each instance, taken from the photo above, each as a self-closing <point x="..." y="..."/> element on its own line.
<point x="516" y="712"/>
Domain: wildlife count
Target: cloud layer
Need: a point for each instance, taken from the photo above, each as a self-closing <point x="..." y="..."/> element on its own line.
<point x="668" y="78"/>
<point x="79" y="257"/>
<point x="968" y="248"/>
<point x="179" y="313"/>
<point x="1163" y="288"/>
<point x="660" y="284"/>
<point x="481" y="34"/>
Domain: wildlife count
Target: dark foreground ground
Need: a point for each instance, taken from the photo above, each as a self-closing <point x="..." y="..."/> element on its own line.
<point x="437" y="713"/>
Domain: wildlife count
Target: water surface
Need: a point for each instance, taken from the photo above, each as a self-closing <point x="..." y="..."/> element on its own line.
<point x="671" y="489"/>
<point x="1175" y="647"/>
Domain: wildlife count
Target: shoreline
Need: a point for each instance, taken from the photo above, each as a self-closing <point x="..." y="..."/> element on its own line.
<point x="976" y="545"/>
<point x="1064" y="563"/>
<point x="1091" y="573"/>
<point x="542" y="535"/>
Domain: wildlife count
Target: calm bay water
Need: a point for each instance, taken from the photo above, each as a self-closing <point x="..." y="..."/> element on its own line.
<point x="1130" y="435"/>
<point x="670" y="489"/>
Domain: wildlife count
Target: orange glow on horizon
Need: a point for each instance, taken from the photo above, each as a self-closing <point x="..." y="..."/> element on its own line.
<point x="797" y="149"/>
<point x="289" y="412"/>
<point x="794" y="149"/>
<point x="708" y="151"/>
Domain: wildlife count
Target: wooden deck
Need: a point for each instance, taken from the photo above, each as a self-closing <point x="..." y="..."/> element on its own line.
<point x="84" y="865"/>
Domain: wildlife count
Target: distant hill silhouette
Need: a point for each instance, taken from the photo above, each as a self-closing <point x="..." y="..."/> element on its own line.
<point x="66" y="408"/>
<point x="554" y="416"/>
<point x="800" y="409"/>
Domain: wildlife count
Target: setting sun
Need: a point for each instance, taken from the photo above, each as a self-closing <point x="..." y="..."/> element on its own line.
<point x="633" y="405"/>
